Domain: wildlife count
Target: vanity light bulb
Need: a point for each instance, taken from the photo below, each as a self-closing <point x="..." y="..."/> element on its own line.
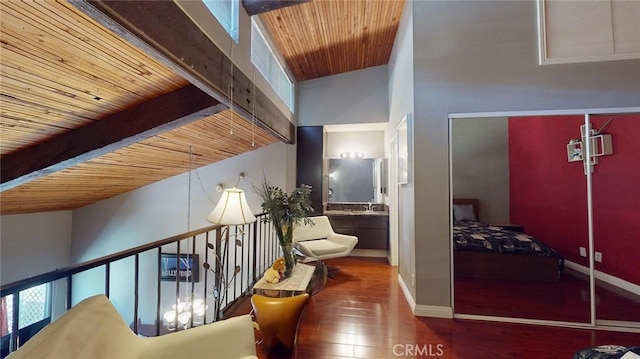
<point x="352" y="155"/>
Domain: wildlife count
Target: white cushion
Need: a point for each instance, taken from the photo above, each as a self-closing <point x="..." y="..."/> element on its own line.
<point x="462" y="212"/>
<point x="321" y="228"/>
<point x="323" y="247"/>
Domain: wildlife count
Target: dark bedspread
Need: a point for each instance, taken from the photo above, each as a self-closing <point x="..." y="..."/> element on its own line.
<point x="480" y="237"/>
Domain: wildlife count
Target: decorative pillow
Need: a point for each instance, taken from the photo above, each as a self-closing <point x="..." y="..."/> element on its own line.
<point x="463" y="212"/>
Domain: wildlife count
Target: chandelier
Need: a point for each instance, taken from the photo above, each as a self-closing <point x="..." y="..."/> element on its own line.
<point x="183" y="311"/>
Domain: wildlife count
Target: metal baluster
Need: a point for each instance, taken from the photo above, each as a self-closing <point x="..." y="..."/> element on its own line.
<point x="159" y="292"/>
<point x="136" y="279"/>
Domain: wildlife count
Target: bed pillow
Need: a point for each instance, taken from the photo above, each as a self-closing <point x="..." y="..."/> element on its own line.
<point x="463" y="212"/>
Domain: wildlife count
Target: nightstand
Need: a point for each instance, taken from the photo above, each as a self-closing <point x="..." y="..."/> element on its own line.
<point x="509" y="226"/>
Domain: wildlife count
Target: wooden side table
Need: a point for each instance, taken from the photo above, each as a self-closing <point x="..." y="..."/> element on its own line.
<point x="309" y="277"/>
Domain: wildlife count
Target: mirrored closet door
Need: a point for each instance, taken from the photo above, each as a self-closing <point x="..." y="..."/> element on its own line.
<point x="526" y="204"/>
<point x="520" y="216"/>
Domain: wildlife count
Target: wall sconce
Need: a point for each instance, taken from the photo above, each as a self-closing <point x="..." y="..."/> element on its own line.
<point x="352" y="155"/>
<point x="232" y="209"/>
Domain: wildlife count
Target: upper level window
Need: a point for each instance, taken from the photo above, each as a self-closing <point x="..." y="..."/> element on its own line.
<point x="35" y="305"/>
<point x="226" y="12"/>
<point x="265" y="60"/>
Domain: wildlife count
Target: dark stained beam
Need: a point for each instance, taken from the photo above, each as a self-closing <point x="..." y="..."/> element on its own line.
<point x="165" y="32"/>
<point x="122" y="129"/>
<point x="255" y="7"/>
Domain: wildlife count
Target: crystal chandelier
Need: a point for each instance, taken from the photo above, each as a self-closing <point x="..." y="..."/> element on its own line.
<point x="183" y="311"/>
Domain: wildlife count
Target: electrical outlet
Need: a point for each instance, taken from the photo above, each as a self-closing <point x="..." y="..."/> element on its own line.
<point x="583" y="252"/>
<point x="598" y="257"/>
<point x="413" y="279"/>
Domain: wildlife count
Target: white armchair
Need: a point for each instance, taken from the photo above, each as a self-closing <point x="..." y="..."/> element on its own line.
<point x="94" y="329"/>
<point x="320" y="241"/>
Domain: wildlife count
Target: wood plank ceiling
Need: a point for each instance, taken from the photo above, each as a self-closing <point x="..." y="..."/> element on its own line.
<point x="60" y="71"/>
<point x="328" y="37"/>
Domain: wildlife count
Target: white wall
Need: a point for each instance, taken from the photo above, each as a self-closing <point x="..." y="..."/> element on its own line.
<point x="33" y="244"/>
<point x="480" y="164"/>
<point x="371" y="143"/>
<point x="159" y="211"/>
<point x="401" y="88"/>
<point x="353" y="97"/>
<point x="481" y="56"/>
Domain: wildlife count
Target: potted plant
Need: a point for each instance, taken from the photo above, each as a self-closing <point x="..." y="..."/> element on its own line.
<point x="285" y="212"/>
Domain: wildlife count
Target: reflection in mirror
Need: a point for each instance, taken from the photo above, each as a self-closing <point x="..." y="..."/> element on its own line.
<point x="351" y="180"/>
<point x="523" y="220"/>
<point x="616" y="221"/>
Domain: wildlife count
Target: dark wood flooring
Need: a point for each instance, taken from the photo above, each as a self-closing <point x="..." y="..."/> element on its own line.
<point x="362" y="313"/>
<point x="565" y="300"/>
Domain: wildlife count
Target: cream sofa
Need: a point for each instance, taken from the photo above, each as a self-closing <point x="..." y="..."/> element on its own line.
<point x="94" y="329"/>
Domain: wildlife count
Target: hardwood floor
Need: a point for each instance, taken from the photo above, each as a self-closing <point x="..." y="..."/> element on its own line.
<point x="566" y="300"/>
<point x="362" y="313"/>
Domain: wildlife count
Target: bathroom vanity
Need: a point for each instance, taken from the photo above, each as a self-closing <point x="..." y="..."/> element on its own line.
<point x="370" y="223"/>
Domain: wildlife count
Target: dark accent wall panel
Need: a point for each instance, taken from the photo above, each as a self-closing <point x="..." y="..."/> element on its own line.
<point x="310" y="149"/>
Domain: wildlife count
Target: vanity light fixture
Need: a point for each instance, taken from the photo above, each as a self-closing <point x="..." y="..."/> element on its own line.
<point x="352" y="155"/>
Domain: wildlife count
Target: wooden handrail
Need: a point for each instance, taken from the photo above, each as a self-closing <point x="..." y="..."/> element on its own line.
<point x="17" y="286"/>
<point x="56" y="274"/>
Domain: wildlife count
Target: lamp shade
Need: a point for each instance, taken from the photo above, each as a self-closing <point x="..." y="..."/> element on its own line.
<point x="232" y="209"/>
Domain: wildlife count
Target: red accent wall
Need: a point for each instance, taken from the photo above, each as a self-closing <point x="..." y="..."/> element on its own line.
<point x="616" y="199"/>
<point x="548" y="194"/>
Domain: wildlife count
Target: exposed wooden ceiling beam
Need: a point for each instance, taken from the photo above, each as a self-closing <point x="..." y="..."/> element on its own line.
<point x="255" y="7"/>
<point x="166" y="33"/>
<point x="124" y="128"/>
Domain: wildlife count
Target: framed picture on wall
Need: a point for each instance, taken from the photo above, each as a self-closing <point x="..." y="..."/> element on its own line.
<point x="403" y="135"/>
<point x="185" y="266"/>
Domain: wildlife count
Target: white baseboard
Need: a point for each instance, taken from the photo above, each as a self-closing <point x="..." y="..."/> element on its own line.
<point x="407" y="294"/>
<point x="424" y="310"/>
<point x="607" y="278"/>
<point x="376" y="253"/>
<point x="433" y="311"/>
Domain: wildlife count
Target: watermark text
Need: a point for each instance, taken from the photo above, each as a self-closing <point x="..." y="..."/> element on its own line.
<point x="418" y="350"/>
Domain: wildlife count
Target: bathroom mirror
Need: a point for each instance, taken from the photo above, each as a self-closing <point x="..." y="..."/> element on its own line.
<point x="352" y="180"/>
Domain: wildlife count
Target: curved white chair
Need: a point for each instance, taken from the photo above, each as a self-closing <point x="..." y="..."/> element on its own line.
<point x="321" y="242"/>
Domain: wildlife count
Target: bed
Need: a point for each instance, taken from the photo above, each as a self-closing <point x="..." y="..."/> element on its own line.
<point x="492" y="252"/>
